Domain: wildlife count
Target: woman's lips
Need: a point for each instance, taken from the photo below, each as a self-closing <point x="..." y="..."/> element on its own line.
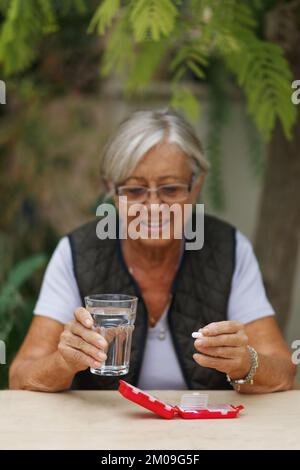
<point x="154" y="225"/>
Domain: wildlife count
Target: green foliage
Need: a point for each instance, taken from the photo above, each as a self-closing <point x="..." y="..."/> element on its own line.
<point x="152" y="18"/>
<point x="218" y="118"/>
<point x="25" y="23"/>
<point x="202" y="30"/>
<point x="190" y="56"/>
<point x="15" y="305"/>
<point x="10" y="295"/>
<point x="142" y="33"/>
<point x="184" y="100"/>
<point x="103" y="16"/>
<point x="119" y="54"/>
<point x="145" y="63"/>
<point x="263" y="73"/>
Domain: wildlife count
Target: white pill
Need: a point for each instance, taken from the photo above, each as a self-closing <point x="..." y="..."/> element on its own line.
<point x="197" y="334"/>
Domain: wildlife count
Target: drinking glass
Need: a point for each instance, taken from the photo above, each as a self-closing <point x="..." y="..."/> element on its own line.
<point x="113" y="316"/>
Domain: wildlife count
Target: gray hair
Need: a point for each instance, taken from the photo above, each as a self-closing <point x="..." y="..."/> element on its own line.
<point x="139" y="133"/>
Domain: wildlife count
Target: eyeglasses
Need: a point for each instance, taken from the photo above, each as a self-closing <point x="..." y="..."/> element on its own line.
<point x="167" y="193"/>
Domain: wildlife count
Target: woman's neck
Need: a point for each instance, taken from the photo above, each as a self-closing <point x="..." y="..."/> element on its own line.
<point x="150" y="258"/>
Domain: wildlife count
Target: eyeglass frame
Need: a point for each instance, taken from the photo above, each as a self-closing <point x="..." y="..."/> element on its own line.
<point x="156" y="189"/>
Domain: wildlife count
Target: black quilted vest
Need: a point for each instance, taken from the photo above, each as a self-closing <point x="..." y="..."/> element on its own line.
<point x="200" y="295"/>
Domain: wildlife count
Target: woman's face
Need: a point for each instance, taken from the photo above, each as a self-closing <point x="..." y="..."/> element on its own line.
<point x="164" y="164"/>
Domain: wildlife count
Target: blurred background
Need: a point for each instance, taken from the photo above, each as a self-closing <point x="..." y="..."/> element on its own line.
<point x="73" y="69"/>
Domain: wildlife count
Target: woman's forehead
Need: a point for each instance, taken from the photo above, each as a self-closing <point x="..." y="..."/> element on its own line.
<point x="162" y="161"/>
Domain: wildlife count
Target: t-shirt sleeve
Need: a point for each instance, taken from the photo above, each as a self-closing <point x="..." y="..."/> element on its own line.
<point x="247" y="300"/>
<point x="59" y="295"/>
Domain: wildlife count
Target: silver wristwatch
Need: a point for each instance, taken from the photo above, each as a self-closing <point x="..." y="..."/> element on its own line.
<point x="249" y="377"/>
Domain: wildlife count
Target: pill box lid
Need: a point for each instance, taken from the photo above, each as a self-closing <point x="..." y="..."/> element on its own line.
<point x="168" y="410"/>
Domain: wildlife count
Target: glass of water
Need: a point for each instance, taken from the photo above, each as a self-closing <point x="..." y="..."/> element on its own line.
<point x="114" y="317"/>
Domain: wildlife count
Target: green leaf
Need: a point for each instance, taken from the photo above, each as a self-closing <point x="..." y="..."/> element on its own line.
<point x="17" y="276"/>
<point x="119" y="55"/>
<point x="24" y="25"/>
<point x="103" y="16"/>
<point x="184" y="100"/>
<point x="152" y="18"/>
<point x="146" y="62"/>
<point x="11" y="300"/>
<point x="264" y="74"/>
<point x="189" y="56"/>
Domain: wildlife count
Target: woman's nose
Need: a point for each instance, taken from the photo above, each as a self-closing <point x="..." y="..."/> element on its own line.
<point x="153" y="197"/>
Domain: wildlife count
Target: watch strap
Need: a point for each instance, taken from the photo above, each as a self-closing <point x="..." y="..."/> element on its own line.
<point x="248" y="379"/>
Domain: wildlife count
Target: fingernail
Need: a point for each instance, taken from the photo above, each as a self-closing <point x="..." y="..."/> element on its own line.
<point x="97" y="364"/>
<point x="199" y="342"/>
<point x="88" y="322"/>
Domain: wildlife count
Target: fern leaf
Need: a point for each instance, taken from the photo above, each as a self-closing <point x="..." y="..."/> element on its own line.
<point x="103" y="16"/>
<point x="46" y="11"/>
<point x="152" y="18"/>
<point x="190" y="56"/>
<point x="184" y="100"/>
<point x="264" y="74"/>
<point x="146" y="62"/>
<point x="24" y="25"/>
<point x="119" y="55"/>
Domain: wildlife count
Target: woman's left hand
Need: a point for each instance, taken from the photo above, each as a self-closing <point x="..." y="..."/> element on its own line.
<point x="224" y="347"/>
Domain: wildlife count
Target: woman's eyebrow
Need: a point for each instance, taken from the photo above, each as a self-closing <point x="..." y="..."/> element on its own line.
<point x="138" y="178"/>
<point x="165" y="177"/>
<point x="144" y="180"/>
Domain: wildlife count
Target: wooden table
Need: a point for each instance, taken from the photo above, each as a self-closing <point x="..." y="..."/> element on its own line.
<point x="106" y="420"/>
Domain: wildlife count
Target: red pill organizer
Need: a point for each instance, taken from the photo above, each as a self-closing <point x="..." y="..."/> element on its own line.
<point x="192" y="405"/>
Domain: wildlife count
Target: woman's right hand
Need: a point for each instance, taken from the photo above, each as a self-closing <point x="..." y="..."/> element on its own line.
<point x="81" y="346"/>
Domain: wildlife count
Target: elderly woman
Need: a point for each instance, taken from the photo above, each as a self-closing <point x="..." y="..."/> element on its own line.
<point x="155" y="157"/>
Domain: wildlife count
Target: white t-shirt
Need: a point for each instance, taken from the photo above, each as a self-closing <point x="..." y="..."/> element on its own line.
<point x="59" y="297"/>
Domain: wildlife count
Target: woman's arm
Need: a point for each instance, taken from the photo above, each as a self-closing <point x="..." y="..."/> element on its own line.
<point x="276" y="370"/>
<point x="224" y="347"/>
<point x="52" y="353"/>
<point x="38" y="364"/>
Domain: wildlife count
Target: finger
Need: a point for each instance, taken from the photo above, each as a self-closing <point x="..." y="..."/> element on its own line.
<point x="90" y="336"/>
<point x="84" y="317"/>
<point x="235" y="339"/>
<point x="222" y="327"/>
<point x="109" y="333"/>
<point x="212" y="362"/>
<point x="76" y="356"/>
<point x="77" y="342"/>
<point x="226" y="352"/>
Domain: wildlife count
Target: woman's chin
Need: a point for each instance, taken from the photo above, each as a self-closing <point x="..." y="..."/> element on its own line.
<point x="155" y="242"/>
